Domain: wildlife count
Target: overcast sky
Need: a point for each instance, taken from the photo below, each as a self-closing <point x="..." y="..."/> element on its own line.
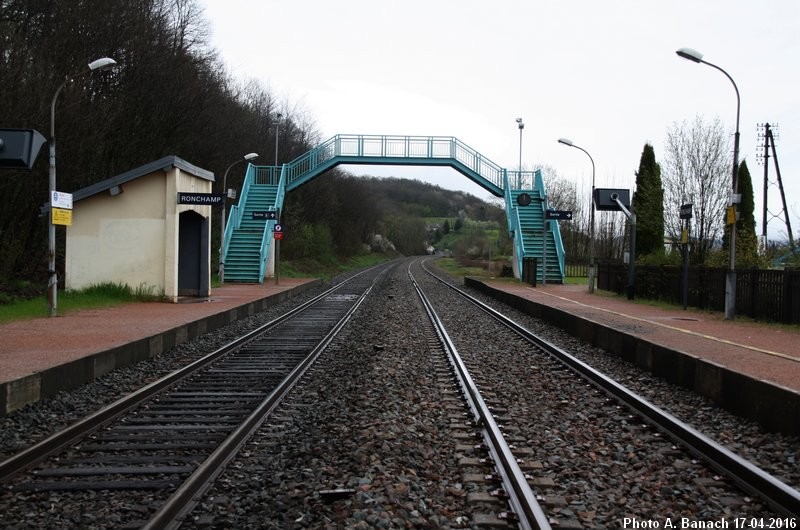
<point x="601" y="73"/>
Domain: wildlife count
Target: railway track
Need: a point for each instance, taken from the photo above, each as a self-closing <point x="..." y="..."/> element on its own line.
<point x="650" y="421"/>
<point x="513" y="482"/>
<point x="464" y="423"/>
<point x="167" y="441"/>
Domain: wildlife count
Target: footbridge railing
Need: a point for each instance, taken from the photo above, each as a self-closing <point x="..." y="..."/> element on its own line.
<point x="396" y="150"/>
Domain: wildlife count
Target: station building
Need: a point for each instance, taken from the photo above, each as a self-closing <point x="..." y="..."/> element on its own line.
<point x="149" y="228"/>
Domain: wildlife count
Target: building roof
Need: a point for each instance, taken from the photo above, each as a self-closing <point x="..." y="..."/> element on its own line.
<point x="163" y="164"/>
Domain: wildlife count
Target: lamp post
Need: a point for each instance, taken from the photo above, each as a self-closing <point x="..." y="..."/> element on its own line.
<point x="569" y="143"/>
<point x="521" y="126"/>
<point x="248" y="156"/>
<point x="104" y="63"/>
<point x="277" y="134"/>
<point x="277" y="241"/>
<point x="730" y="277"/>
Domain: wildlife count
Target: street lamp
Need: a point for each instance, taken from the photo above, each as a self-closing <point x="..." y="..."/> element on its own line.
<point x="521" y="126"/>
<point x="248" y="156"/>
<point x="104" y="63"/>
<point x="569" y="143"/>
<point x="277" y="134"/>
<point x="730" y="277"/>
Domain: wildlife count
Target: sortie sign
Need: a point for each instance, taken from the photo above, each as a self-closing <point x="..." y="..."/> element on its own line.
<point x="202" y="199"/>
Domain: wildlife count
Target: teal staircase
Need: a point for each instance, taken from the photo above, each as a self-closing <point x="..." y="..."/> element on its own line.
<point x="247" y="248"/>
<point x="533" y="236"/>
<point x="247" y="239"/>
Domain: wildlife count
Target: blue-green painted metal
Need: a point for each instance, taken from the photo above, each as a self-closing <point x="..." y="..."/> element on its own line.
<point x="396" y="150"/>
<point x="247" y="240"/>
<point x="525" y="223"/>
<point x="530" y="234"/>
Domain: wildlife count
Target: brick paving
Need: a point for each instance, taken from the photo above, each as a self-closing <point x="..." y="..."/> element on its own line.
<point x="765" y="351"/>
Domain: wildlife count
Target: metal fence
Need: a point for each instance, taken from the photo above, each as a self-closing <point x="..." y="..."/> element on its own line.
<point x="576" y="270"/>
<point x="772" y="295"/>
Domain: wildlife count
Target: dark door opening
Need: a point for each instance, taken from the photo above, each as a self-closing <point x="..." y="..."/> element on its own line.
<point x="193" y="254"/>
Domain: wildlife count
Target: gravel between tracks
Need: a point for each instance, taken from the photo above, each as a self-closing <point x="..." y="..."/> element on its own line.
<point x="606" y="463"/>
<point x="367" y="419"/>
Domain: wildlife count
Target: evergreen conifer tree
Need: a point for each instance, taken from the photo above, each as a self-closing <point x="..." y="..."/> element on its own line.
<point x="648" y="203"/>
<point x="746" y="241"/>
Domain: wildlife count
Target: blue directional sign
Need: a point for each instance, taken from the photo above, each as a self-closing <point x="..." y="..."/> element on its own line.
<point x="277" y="228"/>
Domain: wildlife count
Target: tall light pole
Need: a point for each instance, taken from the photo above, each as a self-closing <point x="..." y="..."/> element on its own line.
<point x="277" y="241"/>
<point x="521" y="126"/>
<point x="569" y="143"/>
<point x="277" y="134"/>
<point x="730" y="277"/>
<point x="104" y="63"/>
<point x="248" y="156"/>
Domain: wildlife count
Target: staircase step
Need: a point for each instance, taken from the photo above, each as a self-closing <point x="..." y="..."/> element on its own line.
<point x="243" y="259"/>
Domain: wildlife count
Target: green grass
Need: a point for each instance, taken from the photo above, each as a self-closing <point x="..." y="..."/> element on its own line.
<point x="452" y="267"/>
<point x="102" y="295"/>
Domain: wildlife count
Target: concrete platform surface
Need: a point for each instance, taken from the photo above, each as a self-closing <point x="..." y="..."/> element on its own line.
<point x="41" y="356"/>
<point x="750" y="368"/>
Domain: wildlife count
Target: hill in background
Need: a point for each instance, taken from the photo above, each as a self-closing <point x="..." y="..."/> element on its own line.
<point x="340" y="216"/>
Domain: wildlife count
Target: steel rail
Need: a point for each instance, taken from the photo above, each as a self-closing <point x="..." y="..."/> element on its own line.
<point x="169" y="516"/>
<point x="520" y="496"/>
<point x="780" y="496"/>
<point x="36" y="453"/>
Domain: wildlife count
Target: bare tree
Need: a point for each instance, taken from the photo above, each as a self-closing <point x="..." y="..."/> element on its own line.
<point x="562" y="194"/>
<point x="696" y="170"/>
<point x="169" y="94"/>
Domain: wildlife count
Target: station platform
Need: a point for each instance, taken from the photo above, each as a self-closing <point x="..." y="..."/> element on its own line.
<point x="42" y="356"/>
<point x="750" y="368"/>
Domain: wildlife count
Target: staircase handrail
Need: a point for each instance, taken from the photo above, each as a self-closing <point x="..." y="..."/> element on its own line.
<point x="522" y="179"/>
<point x="507" y="199"/>
<point x="538" y="181"/>
<point x="555" y="229"/>
<point x="512" y="220"/>
<point x="263" y="252"/>
<point x="249" y="176"/>
<point x="234" y="220"/>
<point x="519" y="243"/>
<point x="266" y="237"/>
<point x="281" y="189"/>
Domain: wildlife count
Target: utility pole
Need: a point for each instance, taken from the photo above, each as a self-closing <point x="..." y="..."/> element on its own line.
<point x="769" y="144"/>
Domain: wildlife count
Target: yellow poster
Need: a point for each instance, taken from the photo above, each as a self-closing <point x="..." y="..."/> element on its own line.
<point x="731" y="215"/>
<point x="61" y="216"/>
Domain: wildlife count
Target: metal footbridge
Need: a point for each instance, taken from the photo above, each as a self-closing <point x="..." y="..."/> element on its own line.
<point x="248" y="250"/>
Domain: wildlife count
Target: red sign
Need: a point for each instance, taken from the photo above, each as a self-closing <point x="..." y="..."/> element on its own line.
<point x="277" y="235"/>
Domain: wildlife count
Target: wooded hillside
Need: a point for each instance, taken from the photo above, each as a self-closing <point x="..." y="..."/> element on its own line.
<point x="340" y="214"/>
<point x="168" y="95"/>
